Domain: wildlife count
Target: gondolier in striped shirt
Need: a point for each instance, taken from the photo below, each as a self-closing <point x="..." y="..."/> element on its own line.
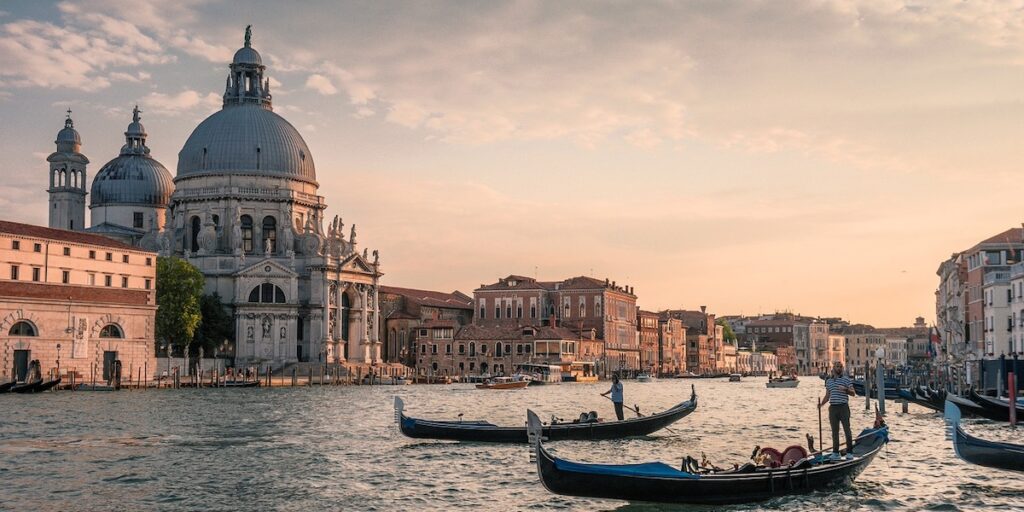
<point x="839" y="389"/>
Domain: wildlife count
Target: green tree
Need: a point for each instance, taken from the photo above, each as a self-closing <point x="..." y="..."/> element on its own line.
<point x="215" y="326"/>
<point x="179" y="285"/>
<point x="727" y="331"/>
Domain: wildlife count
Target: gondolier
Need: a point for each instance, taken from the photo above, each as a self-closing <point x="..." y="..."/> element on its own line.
<point x="839" y="389"/>
<point x="616" y="392"/>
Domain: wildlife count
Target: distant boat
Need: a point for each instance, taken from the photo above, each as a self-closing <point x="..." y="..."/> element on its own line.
<point x="735" y="377"/>
<point x="505" y="383"/>
<point x="643" y="377"/>
<point x="990" y="454"/>
<point x="783" y="382"/>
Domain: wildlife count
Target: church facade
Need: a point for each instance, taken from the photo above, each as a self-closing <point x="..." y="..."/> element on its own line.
<point x="244" y="208"/>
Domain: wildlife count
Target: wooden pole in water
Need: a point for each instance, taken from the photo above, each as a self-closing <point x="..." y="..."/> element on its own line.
<point x="880" y="374"/>
<point x="1012" y="381"/>
<point x="867" y="385"/>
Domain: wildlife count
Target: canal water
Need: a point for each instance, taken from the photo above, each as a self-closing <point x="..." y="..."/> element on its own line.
<point x="337" y="448"/>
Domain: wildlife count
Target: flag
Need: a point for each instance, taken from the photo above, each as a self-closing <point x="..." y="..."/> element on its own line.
<point x="933" y="341"/>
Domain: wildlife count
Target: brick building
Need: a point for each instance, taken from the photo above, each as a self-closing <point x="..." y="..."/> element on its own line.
<point x="648" y="333"/>
<point x="83" y="299"/>
<point x="601" y="313"/>
<point x="671" y="344"/>
<point x="410" y="315"/>
<point x="700" y="339"/>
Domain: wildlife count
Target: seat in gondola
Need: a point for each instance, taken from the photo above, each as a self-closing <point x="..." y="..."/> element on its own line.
<point x="793" y="454"/>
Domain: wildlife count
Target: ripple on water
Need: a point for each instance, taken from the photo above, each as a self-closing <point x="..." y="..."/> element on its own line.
<point x="338" y="449"/>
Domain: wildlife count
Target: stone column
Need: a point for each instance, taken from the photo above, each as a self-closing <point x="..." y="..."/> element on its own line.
<point x="326" y="338"/>
<point x="375" y="333"/>
<point x="364" y="346"/>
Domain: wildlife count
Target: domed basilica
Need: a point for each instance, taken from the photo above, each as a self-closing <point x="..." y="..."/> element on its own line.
<point x="244" y="209"/>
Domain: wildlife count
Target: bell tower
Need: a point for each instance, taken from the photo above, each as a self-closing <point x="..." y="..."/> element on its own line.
<point x="67" y="180"/>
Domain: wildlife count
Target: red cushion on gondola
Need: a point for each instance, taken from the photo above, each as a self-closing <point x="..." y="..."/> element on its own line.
<point x="792" y="454"/>
<point x="774" y="457"/>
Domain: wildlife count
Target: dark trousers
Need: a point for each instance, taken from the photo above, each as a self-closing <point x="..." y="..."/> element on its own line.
<point x="840" y="414"/>
<point x="618" y="413"/>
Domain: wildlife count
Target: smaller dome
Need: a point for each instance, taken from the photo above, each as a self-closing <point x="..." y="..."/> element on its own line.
<point x="68" y="136"/>
<point x="247" y="55"/>
<point x="132" y="179"/>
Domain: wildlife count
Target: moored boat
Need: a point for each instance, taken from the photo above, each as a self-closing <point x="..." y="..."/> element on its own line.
<point x="659" y="482"/>
<point x="27" y="387"/>
<point x="891" y="389"/>
<point x="587" y="429"/>
<point x="5" y="387"/>
<point x="643" y="377"/>
<point x="978" y="451"/>
<point x="997" y="409"/>
<point x="735" y="377"/>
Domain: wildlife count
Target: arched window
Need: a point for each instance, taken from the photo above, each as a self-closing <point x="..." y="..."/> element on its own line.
<point x="23" y="328"/>
<point x="111" y="331"/>
<point x="270" y="233"/>
<point x="246" y="233"/>
<point x="196" y="226"/>
<point x="267" y="293"/>
<point x="472" y="348"/>
<point x="497" y="350"/>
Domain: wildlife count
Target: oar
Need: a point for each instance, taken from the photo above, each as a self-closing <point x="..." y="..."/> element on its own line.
<point x="821" y="441"/>
<point x="637" y="411"/>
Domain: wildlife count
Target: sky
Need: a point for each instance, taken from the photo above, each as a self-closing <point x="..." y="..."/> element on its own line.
<point x="810" y="156"/>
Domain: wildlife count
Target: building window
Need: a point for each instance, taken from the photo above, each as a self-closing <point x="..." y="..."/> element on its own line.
<point x="149" y="284"/>
<point x="519" y="310"/>
<point x="483" y="308"/>
<point x="124" y="258"/>
<point x="111" y="331"/>
<point x="124" y="282"/>
<point x="508" y="310"/>
<point x="137" y="220"/>
<point x="423" y="333"/>
<point x="14" y="272"/>
<point x="65" y="276"/>
<point x="472" y="349"/>
<point x="423" y="349"/>
<point x="22" y="328"/>
<point x="107" y="280"/>
<point x="196" y="225"/>
<point x="462" y="349"/>
<point x="35" y="274"/>
<point x="497" y="350"/>
<point x="110" y="256"/>
<point x="246" y="222"/>
<point x="67" y="251"/>
<point x="37" y="247"/>
<point x="149" y="262"/>
<point x="497" y="310"/>
<point x="16" y="245"/>
<point x="92" y="279"/>
<point x="433" y="348"/>
<point x="267" y="293"/>
<point x="508" y="348"/>
<point x="92" y="255"/>
<point x="270" y="233"/>
<point x="583" y="308"/>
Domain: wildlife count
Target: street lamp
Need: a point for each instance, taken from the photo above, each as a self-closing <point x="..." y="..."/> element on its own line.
<point x="58" y="360"/>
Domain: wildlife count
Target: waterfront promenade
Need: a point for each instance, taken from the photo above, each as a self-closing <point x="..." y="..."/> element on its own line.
<point x="336" y="448"/>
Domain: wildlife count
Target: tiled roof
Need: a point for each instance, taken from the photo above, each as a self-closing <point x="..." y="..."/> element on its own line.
<point x="514" y="282"/>
<point x="1010" y="236"/>
<point x="81" y="294"/>
<point x="456" y="299"/>
<point x="29" y="230"/>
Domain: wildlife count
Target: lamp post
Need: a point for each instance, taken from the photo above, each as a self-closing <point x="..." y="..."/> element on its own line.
<point x="58" y="360"/>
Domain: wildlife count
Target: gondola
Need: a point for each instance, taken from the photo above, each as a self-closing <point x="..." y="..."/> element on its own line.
<point x="659" y="482"/>
<point x="239" y="384"/>
<point x="913" y="396"/>
<point x="5" y="387"/>
<point x="891" y="389"/>
<point x="997" y="409"/>
<point x="588" y="429"/>
<point x="990" y="454"/>
<point x="27" y="387"/>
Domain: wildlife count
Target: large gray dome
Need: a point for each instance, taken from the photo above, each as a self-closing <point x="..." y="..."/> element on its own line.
<point x="132" y="179"/>
<point x="246" y="139"/>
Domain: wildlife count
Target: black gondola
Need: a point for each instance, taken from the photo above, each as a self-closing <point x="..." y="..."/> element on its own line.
<point x="27" y="387"/>
<point x="483" y="431"/>
<point x="996" y="409"/>
<point x="659" y="482"/>
<point x="239" y="384"/>
<point x="6" y="386"/>
<point x="912" y="396"/>
<point x="990" y="454"/>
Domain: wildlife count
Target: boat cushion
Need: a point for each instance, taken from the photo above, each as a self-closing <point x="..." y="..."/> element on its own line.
<point x="648" y="469"/>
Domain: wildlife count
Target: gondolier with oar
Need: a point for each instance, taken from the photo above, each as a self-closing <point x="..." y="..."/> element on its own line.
<point x="616" y="392"/>
<point x="839" y="389"/>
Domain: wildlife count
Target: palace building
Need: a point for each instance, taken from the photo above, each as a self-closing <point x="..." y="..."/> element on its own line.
<point x="244" y="208"/>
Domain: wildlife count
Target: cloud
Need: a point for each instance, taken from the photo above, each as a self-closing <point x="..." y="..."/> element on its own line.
<point x="321" y="84"/>
<point x="182" y="102"/>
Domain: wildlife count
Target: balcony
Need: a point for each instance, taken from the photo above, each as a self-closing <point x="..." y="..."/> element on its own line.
<point x="998" y="277"/>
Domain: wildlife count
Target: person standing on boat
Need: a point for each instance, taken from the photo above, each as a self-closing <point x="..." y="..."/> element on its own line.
<point x="616" y="392"/>
<point x="839" y="389"/>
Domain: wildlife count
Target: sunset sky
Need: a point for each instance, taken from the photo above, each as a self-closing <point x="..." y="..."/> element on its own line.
<point x="819" y="157"/>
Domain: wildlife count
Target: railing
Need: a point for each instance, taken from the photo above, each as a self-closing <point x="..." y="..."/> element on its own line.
<point x="282" y="193"/>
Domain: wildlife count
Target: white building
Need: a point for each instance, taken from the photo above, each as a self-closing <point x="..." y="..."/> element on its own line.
<point x="244" y="208"/>
<point x="998" y="327"/>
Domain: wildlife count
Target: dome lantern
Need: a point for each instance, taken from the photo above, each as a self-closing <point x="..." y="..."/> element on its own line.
<point x="245" y="83"/>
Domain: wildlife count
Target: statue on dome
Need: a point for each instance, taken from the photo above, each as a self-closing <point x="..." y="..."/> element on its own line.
<point x="248" y="35"/>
